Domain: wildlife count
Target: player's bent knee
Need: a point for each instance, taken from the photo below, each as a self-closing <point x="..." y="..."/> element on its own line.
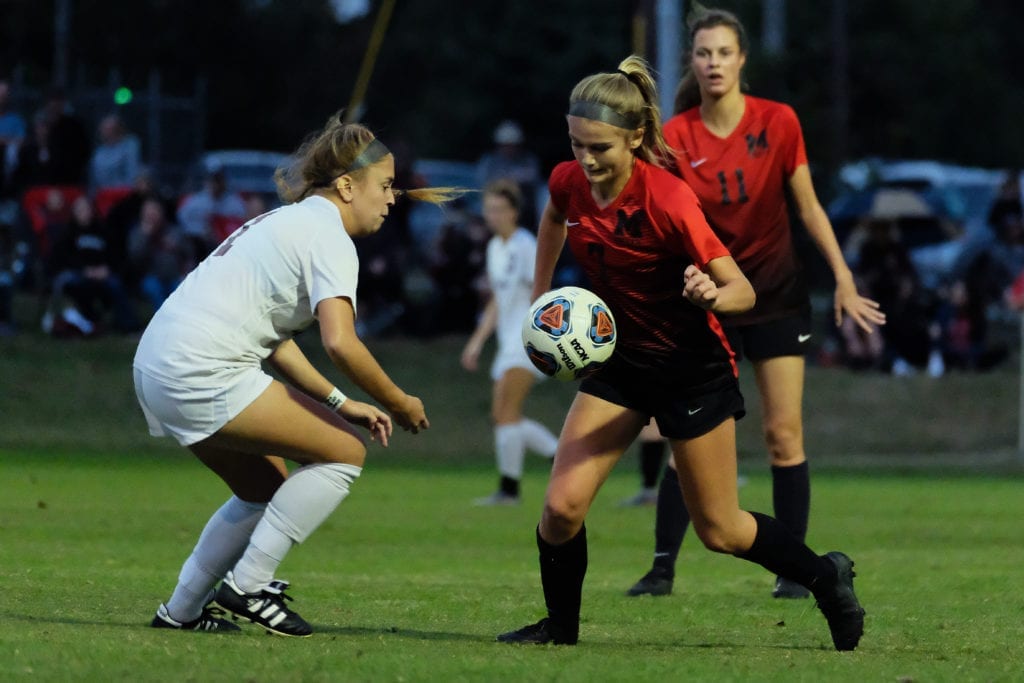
<point x="785" y="446"/>
<point x="717" y="539"/>
<point x="357" y="457"/>
<point x="563" y="518"/>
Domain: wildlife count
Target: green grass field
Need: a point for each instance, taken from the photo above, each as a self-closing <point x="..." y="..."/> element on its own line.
<point x="915" y="478"/>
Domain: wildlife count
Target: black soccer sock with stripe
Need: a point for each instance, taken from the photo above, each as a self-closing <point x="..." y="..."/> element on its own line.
<point x="562" y="568"/>
<point x="791" y="497"/>
<point x="652" y="453"/>
<point x="670" y="521"/>
<point x="780" y="552"/>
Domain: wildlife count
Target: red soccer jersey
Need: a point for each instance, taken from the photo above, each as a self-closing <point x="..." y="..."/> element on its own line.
<point x="634" y="252"/>
<point x="741" y="181"/>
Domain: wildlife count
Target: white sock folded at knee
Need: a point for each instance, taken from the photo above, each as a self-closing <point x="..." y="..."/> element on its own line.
<point x="307" y="497"/>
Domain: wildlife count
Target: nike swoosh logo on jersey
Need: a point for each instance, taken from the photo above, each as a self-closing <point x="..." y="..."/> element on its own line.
<point x="698" y="162"/>
<point x="802" y="337"/>
<point x="570" y="224"/>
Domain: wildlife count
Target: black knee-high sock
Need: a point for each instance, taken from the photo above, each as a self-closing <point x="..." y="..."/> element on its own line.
<point x="791" y="496"/>
<point x="652" y="453"/>
<point x="670" y="521"/>
<point x="562" y="568"/>
<point x="508" y="485"/>
<point x="780" y="552"/>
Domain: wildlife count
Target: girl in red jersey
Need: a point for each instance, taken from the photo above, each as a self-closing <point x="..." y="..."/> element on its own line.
<point x="741" y="155"/>
<point x="638" y="232"/>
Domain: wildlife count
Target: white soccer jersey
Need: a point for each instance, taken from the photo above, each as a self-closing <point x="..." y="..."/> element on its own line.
<point x="257" y="289"/>
<point x="510" y="274"/>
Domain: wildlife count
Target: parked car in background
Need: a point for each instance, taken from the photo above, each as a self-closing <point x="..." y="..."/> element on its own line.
<point x="943" y="238"/>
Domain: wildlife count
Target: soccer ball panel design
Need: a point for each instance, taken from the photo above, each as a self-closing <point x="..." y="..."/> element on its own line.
<point x="569" y="333"/>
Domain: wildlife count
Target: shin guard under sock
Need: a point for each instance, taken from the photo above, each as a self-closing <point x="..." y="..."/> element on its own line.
<point x="652" y="454"/>
<point x="791" y="497"/>
<point x="670" y="521"/>
<point x="562" y="568"/>
<point x="780" y="552"/>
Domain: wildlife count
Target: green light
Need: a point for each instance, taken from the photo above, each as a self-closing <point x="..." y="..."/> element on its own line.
<point x="122" y="96"/>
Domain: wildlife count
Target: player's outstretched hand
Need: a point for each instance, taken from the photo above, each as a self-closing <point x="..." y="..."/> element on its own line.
<point x="410" y="414"/>
<point x="699" y="288"/>
<point x="376" y="421"/>
<point x="866" y="313"/>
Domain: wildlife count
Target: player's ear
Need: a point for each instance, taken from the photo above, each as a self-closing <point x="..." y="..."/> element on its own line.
<point x="637" y="138"/>
<point x="344" y="187"/>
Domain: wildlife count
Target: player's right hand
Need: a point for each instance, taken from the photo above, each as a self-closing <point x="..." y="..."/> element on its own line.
<point x="367" y="415"/>
<point x="410" y="415"/>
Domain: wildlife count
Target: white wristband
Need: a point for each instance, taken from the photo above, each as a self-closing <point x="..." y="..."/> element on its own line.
<point x="335" y="399"/>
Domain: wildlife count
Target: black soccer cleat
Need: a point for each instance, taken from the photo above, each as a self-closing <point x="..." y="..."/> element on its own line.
<point x="544" y="632"/>
<point x="266" y="608"/>
<point x="789" y="590"/>
<point x="654" y="582"/>
<point x="840" y="606"/>
<point x="208" y="620"/>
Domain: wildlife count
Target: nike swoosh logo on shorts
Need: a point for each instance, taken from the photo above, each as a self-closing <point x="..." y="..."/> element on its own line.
<point x="698" y="162"/>
<point x="802" y="337"/>
<point x="694" y="411"/>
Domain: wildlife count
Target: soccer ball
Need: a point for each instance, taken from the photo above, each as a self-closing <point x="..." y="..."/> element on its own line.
<point x="569" y="333"/>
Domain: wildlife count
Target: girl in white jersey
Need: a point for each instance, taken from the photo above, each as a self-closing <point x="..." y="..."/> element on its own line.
<point x="510" y="256"/>
<point x="198" y="377"/>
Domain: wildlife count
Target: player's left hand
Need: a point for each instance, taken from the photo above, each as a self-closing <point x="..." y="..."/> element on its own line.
<point x="865" y="312"/>
<point x="699" y="288"/>
<point x="376" y="421"/>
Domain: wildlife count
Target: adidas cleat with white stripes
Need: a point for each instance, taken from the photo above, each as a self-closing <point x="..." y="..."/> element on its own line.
<point x="209" y="620"/>
<point x="266" y="608"/>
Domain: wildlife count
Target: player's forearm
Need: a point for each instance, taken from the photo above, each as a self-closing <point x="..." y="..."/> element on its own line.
<point x="359" y="365"/>
<point x="295" y="368"/>
<point x="824" y="237"/>
<point x="734" y="297"/>
<point x="488" y="322"/>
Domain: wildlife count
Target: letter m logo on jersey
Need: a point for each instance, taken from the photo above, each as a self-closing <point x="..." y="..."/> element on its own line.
<point x="757" y="145"/>
<point x="630" y="225"/>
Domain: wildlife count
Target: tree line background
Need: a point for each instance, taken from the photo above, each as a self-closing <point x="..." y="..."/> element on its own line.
<point x="939" y="79"/>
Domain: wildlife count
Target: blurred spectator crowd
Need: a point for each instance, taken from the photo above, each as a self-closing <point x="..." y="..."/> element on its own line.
<point x="84" y="227"/>
<point x="97" y="244"/>
<point x="946" y="280"/>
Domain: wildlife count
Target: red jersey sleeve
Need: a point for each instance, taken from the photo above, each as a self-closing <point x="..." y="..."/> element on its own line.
<point x="681" y="219"/>
<point x="794" y="152"/>
<point x="559" y="185"/>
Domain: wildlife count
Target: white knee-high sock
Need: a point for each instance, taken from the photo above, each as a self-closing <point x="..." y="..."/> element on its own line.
<point x="538" y="438"/>
<point x="307" y="497"/>
<point x="509" y="448"/>
<point x="219" y="546"/>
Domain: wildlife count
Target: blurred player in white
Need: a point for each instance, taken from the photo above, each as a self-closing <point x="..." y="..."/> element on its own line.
<point x="510" y="258"/>
<point x="199" y="378"/>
